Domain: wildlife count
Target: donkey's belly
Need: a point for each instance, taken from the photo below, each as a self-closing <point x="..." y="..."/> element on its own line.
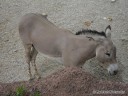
<point x="48" y="50"/>
<point x="56" y="58"/>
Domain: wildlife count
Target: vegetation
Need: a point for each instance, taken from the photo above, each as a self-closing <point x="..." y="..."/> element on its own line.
<point x="20" y="91"/>
<point x="37" y="93"/>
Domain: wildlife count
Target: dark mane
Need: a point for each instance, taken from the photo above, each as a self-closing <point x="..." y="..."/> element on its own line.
<point x="93" y="32"/>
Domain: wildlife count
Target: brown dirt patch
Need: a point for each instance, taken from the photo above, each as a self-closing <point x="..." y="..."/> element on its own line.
<point x="67" y="82"/>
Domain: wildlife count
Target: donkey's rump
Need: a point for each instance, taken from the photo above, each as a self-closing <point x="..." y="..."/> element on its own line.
<point x="45" y="36"/>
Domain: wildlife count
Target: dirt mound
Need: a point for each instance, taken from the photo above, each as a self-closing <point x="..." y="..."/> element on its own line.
<point x="68" y="82"/>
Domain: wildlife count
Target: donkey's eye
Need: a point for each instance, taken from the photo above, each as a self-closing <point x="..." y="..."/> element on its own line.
<point x="108" y="54"/>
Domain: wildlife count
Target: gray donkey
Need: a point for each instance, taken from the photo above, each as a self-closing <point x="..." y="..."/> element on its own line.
<point x="40" y="35"/>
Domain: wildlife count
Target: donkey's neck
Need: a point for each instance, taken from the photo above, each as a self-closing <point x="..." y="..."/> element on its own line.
<point x="91" y="43"/>
<point x="86" y="45"/>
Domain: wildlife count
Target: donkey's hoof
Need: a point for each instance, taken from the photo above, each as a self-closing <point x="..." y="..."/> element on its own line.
<point x="38" y="77"/>
<point x="31" y="79"/>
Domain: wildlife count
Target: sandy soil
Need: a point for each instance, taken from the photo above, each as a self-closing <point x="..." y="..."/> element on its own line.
<point x="70" y="14"/>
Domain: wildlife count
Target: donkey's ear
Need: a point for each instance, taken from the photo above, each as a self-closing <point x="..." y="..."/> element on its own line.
<point x="108" y="31"/>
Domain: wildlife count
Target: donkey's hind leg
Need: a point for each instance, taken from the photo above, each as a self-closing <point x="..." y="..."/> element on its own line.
<point x="33" y="59"/>
<point x="28" y="57"/>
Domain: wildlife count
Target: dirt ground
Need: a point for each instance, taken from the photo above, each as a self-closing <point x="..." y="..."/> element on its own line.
<point x="69" y="14"/>
<point x="70" y="81"/>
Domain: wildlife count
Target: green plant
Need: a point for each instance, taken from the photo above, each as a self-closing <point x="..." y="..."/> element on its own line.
<point x="20" y="91"/>
<point x="37" y="93"/>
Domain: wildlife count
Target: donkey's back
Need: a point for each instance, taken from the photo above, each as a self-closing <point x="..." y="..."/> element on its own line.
<point x="37" y="30"/>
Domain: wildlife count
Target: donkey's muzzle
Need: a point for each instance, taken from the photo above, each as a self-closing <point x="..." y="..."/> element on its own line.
<point x="113" y="69"/>
<point x="114" y="72"/>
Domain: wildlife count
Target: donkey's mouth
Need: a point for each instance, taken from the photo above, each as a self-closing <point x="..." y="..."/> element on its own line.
<point x="112" y="69"/>
<point x="114" y="72"/>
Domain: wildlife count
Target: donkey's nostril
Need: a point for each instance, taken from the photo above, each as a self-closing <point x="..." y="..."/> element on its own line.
<point x="115" y="72"/>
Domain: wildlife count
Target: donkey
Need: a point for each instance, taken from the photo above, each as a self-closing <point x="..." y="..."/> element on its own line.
<point x="38" y="34"/>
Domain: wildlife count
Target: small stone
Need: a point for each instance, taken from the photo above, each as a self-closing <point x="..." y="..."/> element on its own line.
<point x="105" y="18"/>
<point x="6" y="40"/>
<point x="109" y="19"/>
<point x="113" y="1"/>
<point x="15" y="50"/>
<point x="88" y="23"/>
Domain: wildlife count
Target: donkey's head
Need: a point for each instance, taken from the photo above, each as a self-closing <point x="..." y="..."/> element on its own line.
<point x="106" y="53"/>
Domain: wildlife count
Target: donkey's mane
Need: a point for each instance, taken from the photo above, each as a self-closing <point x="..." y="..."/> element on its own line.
<point x="92" y="32"/>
